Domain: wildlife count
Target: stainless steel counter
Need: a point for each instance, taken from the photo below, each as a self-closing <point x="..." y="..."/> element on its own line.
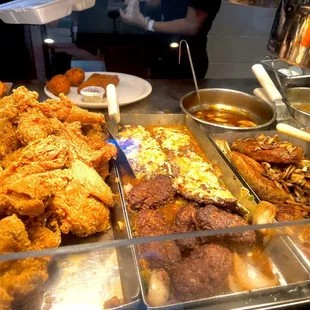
<point x="166" y="93"/>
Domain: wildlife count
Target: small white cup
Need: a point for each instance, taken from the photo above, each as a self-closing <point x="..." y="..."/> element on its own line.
<point x="93" y="94"/>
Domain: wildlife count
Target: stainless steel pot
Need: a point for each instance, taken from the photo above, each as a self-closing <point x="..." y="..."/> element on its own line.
<point x="290" y="34"/>
<point x="260" y="111"/>
<point x="260" y="3"/>
<point x="298" y="98"/>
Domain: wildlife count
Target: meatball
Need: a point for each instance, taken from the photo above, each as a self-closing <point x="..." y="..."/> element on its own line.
<point x="202" y="274"/>
<point x="59" y="84"/>
<point x="157" y="254"/>
<point x="76" y="76"/>
<point x="151" y="194"/>
<point x="211" y="217"/>
<point x="185" y="221"/>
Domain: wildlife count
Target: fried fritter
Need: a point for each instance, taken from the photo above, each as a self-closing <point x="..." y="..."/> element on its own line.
<point x="268" y="149"/>
<point x="151" y="194"/>
<point x="212" y="218"/>
<point x="202" y="274"/>
<point x="252" y="172"/>
<point x="102" y="80"/>
<point x="59" y="84"/>
<point x="76" y="76"/>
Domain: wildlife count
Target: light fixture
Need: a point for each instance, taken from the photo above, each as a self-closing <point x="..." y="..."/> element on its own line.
<point x="49" y="41"/>
<point x="174" y="45"/>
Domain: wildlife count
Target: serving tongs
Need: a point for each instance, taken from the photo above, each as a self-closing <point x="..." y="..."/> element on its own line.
<point x="112" y="128"/>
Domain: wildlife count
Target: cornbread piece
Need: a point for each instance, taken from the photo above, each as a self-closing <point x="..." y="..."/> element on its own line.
<point x="101" y="80"/>
<point x="143" y="152"/>
<point x="151" y="194"/>
<point x="269" y="149"/>
<point x="202" y="274"/>
<point x="212" y="218"/>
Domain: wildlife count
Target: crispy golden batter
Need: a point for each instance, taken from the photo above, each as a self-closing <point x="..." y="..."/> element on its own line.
<point x="59" y="84"/>
<point x="253" y="172"/>
<point x="8" y="138"/>
<point x="76" y="76"/>
<point x="21" y="277"/>
<point x="102" y="80"/>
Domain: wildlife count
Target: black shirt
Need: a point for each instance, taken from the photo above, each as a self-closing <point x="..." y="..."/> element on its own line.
<point x="176" y="9"/>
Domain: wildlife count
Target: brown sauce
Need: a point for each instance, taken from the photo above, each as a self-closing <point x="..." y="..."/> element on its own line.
<point x="225" y="118"/>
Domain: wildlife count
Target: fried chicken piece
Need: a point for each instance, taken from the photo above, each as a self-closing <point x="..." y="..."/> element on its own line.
<point x="82" y="206"/>
<point x="59" y="84"/>
<point x="96" y="137"/>
<point x="271" y="150"/>
<point x="101" y="80"/>
<point x="76" y="76"/>
<point x="151" y="194"/>
<point x="202" y="274"/>
<point x="8" y="138"/>
<point x="213" y="218"/>
<point x="66" y="111"/>
<point x="84" y="152"/>
<point x="32" y="126"/>
<point x="21" y="277"/>
<point x="157" y="254"/>
<point x="3" y="89"/>
<point x="253" y="172"/>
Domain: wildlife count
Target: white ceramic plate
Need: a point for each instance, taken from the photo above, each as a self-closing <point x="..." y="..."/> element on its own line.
<point x="130" y="89"/>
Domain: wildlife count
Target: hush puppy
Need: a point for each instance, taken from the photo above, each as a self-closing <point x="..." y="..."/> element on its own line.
<point x="76" y="76"/>
<point x="59" y="84"/>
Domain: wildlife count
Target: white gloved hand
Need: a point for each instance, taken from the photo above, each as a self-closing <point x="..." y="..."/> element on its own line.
<point x="132" y="15"/>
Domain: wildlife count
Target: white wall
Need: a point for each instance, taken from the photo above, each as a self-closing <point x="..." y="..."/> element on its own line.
<point x="238" y="39"/>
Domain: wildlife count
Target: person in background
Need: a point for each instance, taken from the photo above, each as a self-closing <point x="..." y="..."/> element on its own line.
<point x="180" y="19"/>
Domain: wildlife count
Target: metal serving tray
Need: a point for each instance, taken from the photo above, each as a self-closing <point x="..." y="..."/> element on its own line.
<point x="232" y="136"/>
<point x="86" y="280"/>
<point x="295" y="285"/>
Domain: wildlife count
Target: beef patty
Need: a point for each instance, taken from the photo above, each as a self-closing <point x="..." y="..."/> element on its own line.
<point x="157" y="254"/>
<point x="202" y="274"/>
<point x="211" y="217"/>
<point x="151" y="194"/>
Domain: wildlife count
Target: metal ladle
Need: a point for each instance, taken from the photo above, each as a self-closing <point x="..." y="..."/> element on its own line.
<point x="193" y="70"/>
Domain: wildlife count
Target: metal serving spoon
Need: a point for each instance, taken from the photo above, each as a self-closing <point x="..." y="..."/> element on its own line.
<point x="193" y="70"/>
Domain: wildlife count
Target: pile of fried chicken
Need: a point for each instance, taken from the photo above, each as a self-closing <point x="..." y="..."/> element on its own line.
<point x="277" y="171"/>
<point x="53" y="163"/>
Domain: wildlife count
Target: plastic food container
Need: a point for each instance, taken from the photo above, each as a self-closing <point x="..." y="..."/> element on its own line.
<point x="38" y="12"/>
<point x="93" y="94"/>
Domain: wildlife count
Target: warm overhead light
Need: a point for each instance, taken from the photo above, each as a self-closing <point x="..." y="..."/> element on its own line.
<point x="174" y="44"/>
<point x="49" y="41"/>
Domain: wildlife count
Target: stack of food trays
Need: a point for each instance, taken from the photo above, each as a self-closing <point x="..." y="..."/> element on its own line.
<point x="184" y="185"/>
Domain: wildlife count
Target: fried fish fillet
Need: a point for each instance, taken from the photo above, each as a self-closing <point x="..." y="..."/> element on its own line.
<point x="252" y="172"/>
<point x="268" y="150"/>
